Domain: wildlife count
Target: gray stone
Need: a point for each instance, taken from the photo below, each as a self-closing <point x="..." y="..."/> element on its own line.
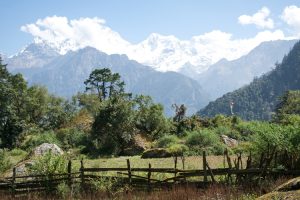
<point x="230" y="142"/>
<point x="46" y="147"/>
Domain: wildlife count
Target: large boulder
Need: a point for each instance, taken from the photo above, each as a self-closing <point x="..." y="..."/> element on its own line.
<point x="45" y="148"/>
<point x="230" y="142"/>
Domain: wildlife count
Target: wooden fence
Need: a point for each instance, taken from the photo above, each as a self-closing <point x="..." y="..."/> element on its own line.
<point x="142" y="177"/>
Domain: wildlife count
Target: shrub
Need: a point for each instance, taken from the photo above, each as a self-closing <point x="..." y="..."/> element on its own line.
<point x="5" y="163"/>
<point x="177" y="149"/>
<point x="167" y="140"/>
<point x="71" y="137"/>
<point x="32" y="141"/>
<point x="49" y="164"/>
<point x="204" y="139"/>
<point x="17" y="152"/>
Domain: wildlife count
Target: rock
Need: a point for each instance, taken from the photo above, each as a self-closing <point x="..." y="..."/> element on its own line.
<point x="230" y="142"/>
<point x="156" y="153"/>
<point x="21" y="168"/>
<point x="46" y="147"/>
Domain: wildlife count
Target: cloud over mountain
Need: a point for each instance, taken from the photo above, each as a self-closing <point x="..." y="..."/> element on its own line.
<point x="166" y="53"/>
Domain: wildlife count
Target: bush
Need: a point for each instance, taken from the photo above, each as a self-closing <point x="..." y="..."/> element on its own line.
<point x="71" y="138"/>
<point x="204" y="139"/>
<point x="32" y="141"/>
<point x="5" y="163"/>
<point x="17" y="152"/>
<point x="167" y="140"/>
<point x="49" y="164"/>
<point x="177" y="149"/>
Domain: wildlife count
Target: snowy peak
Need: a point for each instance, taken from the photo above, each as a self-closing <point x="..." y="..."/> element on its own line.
<point x="32" y="56"/>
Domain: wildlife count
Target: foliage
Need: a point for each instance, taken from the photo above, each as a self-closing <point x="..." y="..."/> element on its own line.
<point x="114" y="126"/>
<point x="167" y="140"/>
<point x="150" y="117"/>
<point x="5" y="163"/>
<point x="49" y="164"/>
<point x="105" y="83"/>
<point x="33" y="140"/>
<point x="71" y="138"/>
<point x="289" y="108"/>
<point x="204" y="139"/>
<point x="177" y="149"/>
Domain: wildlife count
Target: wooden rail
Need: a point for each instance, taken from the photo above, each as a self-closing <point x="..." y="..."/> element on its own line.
<point x="144" y="179"/>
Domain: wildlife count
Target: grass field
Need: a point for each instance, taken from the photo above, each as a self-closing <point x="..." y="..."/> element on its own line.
<point x="191" y="162"/>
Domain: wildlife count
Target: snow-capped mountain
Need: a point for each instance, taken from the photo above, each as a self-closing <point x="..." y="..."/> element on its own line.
<point x="33" y="55"/>
<point x="163" y="53"/>
<point x="64" y="75"/>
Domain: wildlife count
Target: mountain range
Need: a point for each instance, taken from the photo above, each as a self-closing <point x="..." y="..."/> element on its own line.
<point x="64" y="75"/>
<point x="258" y="100"/>
<point x="192" y="85"/>
<point x="226" y="76"/>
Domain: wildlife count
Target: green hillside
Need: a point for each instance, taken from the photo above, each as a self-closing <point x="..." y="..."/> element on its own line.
<point x="258" y="100"/>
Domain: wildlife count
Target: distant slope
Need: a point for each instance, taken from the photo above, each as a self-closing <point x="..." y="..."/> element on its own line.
<point x="226" y="76"/>
<point x="258" y="99"/>
<point x="65" y="75"/>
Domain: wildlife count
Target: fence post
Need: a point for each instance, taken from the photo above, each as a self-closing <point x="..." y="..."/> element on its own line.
<point x="13" y="183"/>
<point x="175" y="167"/>
<point x="149" y="178"/>
<point x="204" y="166"/>
<point x="129" y="172"/>
<point x="82" y="174"/>
<point x="69" y="169"/>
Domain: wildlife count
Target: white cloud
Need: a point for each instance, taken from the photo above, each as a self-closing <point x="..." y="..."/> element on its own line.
<point x="78" y="33"/>
<point x="165" y="53"/>
<point x="260" y="19"/>
<point x="291" y="15"/>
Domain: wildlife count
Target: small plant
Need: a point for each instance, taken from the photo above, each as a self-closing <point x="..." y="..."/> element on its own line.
<point x="109" y="185"/>
<point x="17" y="152"/>
<point x="49" y="164"/>
<point x="63" y="190"/>
<point x="5" y="163"/>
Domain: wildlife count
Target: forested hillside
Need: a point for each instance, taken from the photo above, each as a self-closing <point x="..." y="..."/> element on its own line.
<point x="258" y="100"/>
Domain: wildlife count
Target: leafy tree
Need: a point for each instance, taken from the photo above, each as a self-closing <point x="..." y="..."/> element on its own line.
<point x="150" y="118"/>
<point x="114" y="125"/>
<point x="104" y="83"/>
<point x="10" y="107"/>
<point x="289" y="105"/>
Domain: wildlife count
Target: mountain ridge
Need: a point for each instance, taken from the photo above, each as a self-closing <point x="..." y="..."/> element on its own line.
<point x="257" y="101"/>
<point x="65" y="74"/>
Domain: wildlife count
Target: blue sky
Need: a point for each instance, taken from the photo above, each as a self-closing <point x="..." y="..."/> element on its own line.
<point x="135" y="20"/>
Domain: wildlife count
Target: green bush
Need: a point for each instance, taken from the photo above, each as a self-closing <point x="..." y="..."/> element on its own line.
<point x="49" y="164"/>
<point x="167" y="140"/>
<point x="204" y="139"/>
<point x="17" y="152"/>
<point x="5" y="163"/>
<point x="71" y="138"/>
<point x="32" y="141"/>
<point x="177" y="149"/>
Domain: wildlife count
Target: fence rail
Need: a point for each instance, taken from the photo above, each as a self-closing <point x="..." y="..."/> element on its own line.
<point x="145" y="179"/>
